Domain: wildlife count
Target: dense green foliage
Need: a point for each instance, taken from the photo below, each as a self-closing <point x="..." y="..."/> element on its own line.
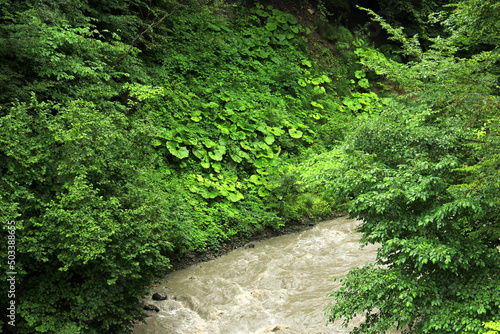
<point x="134" y="132"/>
<point x="422" y="175"/>
<point x="413" y="15"/>
<point x="494" y="326"/>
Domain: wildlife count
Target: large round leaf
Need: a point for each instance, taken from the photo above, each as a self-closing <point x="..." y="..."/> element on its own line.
<point x="180" y="152"/>
<point x="281" y="18"/>
<point x="217" y="153"/>
<point x="294" y="133"/>
<point x="271" y="26"/>
<point x="260" y="163"/>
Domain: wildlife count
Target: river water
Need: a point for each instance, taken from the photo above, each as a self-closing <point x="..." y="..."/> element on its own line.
<point x="278" y="286"/>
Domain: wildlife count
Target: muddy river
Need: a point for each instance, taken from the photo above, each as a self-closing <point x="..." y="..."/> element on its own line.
<point x="277" y="285"/>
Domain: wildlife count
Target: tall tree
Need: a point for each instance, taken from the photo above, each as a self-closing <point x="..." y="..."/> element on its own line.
<point x="423" y="177"/>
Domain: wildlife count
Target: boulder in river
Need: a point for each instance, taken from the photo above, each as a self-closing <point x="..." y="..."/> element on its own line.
<point x="151" y="307"/>
<point x="159" y="296"/>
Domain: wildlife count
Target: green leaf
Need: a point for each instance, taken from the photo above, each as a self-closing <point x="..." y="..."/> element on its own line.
<point x="235" y="156"/>
<point x="271" y="26"/>
<point x="359" y="74"/>
<point x="325" y="78"/>
<point x="255" y="179"/>
<point x="168" y="134"/>
<point x="238" y="135"/>
<point x="172" y="147"/>
<point x="261" y="162"/>
<point x="294" y="133"/>
<point x="317" y="105"/>
<point x="277" y="131"/>
<point x="246" y="145"/>
<point x="217" y="153"/>
<point x="263" y="54"/>
<point x="213" y="27"/>
<point x="281" y="18"/>
<point x="265" y="154"/>
<point x="262" y="145"/>
<point x="200" y="153"/>
<point x="269" y="139"/>
<point x="208" y="143"/>
<point x="263" y="192"/>
<point x="244" y="155"/>
<point x="307" y="63"/>
<point x="280" y="36"/>
<point x="262" y="13"/>
<point x="206" y="193"/>
<point x="364" y="83"/>
<point x="235" y="197"/>
<point x="180" y="152"/>
<point x="317" y="81"/>
<point x="211" y="105"/>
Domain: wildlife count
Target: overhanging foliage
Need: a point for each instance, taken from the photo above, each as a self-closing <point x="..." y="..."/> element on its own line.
<point x="422" y="176"/>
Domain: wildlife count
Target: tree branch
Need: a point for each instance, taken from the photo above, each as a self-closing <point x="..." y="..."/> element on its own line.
<point x="152" y="25"/>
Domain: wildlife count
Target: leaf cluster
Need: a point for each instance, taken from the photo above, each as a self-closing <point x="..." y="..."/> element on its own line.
<point x="421" y="175"/>
<point x="135" y="132"/>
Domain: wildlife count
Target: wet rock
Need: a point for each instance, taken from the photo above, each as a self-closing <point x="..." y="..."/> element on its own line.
<point x="151" y="307"/>
<point x="280" y="328"/>
<point x="276" y="329"/>
<point x="148" y="314"/>
<point x="159" y="296"/>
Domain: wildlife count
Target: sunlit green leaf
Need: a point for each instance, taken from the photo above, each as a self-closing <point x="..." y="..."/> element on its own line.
<point x="294" y="133"/>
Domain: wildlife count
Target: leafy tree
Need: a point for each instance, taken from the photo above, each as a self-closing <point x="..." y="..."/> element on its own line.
<point x="494" y="326"/>
<point x="413" y="16"/>
<point x="473" y="24"/>
<point x="94" y="219"/>
<point x="422" y="176"/>
<point x="64" y="50"/>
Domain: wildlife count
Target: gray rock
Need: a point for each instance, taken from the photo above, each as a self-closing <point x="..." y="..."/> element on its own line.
<point x="159" y="296"/>
<point x="151" y="307"/>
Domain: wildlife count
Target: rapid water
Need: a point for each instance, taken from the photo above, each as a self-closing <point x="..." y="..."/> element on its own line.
<point x="279" y="286"/>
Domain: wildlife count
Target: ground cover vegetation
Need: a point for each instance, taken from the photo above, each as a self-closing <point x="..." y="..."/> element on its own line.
<point x="133" y="132"/>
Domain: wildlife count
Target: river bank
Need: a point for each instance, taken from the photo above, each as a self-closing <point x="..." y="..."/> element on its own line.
<point x="209" y="253"/>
